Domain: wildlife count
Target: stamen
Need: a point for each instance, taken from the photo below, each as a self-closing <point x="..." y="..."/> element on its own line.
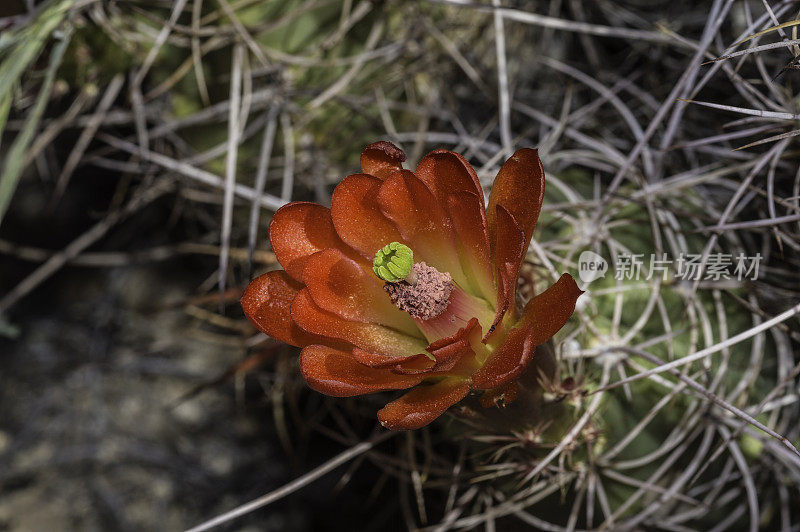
<point x="426" y="299"/>
<point x="438" y="306"/>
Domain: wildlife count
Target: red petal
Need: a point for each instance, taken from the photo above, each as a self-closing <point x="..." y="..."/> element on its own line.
<point x="508" y="361"/>
<point x="367" y="336"/>
<point x="358" y="218"/>
<point x="300" y="229"/>
<point x="381" y="159"/>
<point x="462" y="333"/>
<point x="519" y="187"/>
<point x="544" y="316"/>
<point x="336" y="373"/>
<point x="423" y="404"/>
<point x="550" y="310"/>
<point x="508" y="254"/>
<point x="267" y="304"/>
<point x="455" y="354"/>
<point x="466" y="213"/>
<point x="422" y="222"/>
<point x="341" y="286"/>
<point x="448" y="175"/>
<point x="420" y="361"/>
<point x="457" y="358"/>
<point x="446" y="172"/>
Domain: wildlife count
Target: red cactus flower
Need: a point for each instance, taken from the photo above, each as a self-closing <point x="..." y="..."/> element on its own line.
<point x="452" y="325"/>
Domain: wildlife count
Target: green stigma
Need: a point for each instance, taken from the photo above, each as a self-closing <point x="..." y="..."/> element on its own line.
<point x="393" y="262"/>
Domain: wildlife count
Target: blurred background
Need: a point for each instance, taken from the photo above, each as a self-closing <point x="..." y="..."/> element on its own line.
<point x="146" y="143"/>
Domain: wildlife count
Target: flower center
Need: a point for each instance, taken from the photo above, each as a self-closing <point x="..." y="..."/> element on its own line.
<point x="428" y="297"/>
<point x="437" y="305"/>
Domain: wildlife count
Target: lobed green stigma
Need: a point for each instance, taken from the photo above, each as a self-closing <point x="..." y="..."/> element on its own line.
<point x="393" y="262"/>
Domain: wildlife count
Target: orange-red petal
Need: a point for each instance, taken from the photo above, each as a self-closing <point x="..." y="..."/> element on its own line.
<point x="381" y="159"/>
<point x="544" y="316"/>
<point x="357" y="217"/>
<point x="456" y="358"/>
<point x="342" y="286"/>
<point x="509" y="250"/>
<point x="454" y="354"/>
<point x="446" y="172"/>
<point x="267" y="304"/>
<point x="419" y="361"/>
<point x="448" y="175"/>
<point x="466" y="213"/>
<point x="508" y="361"/>
<point x="419" y="217"/>
<point x="423" y="404"/>
<point x="368" y="336"/>
<point x="463" y="333"/>
<point x="297" y="231"/>
<point x="337" y="373"/>
<point x="519" y="187"/>
<point x="550" y="310"/>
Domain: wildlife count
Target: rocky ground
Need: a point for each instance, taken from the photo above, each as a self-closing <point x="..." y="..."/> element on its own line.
<point x="94" y="436"/>
<point x="90" y="436"/>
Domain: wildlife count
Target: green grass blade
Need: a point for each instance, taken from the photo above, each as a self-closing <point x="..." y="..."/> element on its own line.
<point x="13" y="164"/>
<point x="30" y="42"/>
<point x="5" y="108"/>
